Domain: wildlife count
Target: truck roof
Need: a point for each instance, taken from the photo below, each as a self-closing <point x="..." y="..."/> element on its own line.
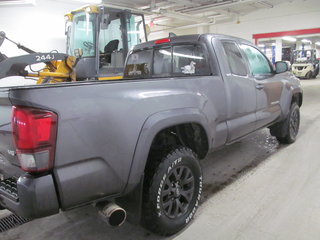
<point x="188" y="39"/>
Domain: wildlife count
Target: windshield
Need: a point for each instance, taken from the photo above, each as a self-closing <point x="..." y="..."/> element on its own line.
<point x="81" y="34"/>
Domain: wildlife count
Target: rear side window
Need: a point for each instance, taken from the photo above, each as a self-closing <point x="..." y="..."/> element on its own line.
<point x="139" y="64"/>
<point x="189" y="60"/>
<point x="259" y="64"/>
<point x="236" y="62"/>
<point x="167" y="61"/>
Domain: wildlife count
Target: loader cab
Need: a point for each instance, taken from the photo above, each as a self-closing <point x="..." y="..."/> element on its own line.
<point x="305" y="56"/>
<point x="105" y="36"/>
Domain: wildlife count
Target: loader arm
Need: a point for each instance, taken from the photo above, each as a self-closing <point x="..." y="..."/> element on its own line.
<point x="15" y="66"/>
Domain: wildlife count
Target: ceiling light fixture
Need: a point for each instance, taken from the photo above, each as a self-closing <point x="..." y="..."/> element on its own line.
<point x="306" y="41"/>
<point x="290" y="39"/>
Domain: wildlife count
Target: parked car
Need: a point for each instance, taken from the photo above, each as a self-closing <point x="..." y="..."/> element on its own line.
<point x="133" y="145"/>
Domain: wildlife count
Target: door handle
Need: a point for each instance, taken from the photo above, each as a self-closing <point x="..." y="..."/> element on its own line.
<point x="259" y="86"/>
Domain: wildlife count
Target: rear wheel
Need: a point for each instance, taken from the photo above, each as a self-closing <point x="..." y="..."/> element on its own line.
<point x="172" y="192"/>
<point x="287" y="130"/>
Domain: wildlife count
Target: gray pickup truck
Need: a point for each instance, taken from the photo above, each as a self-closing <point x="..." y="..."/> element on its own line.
<point x="133" y="145"/>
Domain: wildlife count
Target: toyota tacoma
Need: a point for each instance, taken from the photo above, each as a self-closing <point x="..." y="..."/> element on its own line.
<point x="133" y="145"/>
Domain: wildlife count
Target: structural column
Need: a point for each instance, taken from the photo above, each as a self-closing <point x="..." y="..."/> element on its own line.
<point x="298" y="45"/>
<point x="278" y="49"/>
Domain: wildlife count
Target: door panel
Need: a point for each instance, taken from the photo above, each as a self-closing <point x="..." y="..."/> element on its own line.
<point x="240" y="90"/>
<point x="268" y="101"/>
<point x="268" y="87"/>
<point x="242" y="106"/>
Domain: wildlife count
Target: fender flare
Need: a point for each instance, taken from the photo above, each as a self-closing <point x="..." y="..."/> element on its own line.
<point x="287" y="103"/>
<point x="151" y="127"/>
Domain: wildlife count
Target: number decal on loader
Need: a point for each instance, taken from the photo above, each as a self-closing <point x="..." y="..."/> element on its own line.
<point x="41" y="58"/>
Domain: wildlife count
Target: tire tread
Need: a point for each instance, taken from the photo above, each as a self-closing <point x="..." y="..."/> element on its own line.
<point x="151" y="176"/>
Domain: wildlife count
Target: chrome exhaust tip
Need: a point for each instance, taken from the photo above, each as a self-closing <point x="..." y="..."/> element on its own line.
<point x="112" y="214"/>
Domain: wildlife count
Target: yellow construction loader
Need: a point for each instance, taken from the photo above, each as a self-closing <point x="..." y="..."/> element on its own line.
<point x="98" y="40"/>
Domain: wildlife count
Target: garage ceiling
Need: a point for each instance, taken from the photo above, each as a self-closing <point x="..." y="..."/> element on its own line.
<point x="191" y="13"/>
<point x="16" y="2"/>
<point x="179" y="14"/>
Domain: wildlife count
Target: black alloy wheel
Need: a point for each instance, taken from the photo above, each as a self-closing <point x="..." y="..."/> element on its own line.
<point x="177" y="192"/>
<point x="172" y="191"/>
<point x="294" y="123"/>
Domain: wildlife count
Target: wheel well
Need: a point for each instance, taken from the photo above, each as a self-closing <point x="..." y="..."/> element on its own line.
<point x="191" y="135"/>
<point x="297" y="98"/>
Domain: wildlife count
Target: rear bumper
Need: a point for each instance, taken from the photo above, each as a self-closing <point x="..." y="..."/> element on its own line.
<point x="34" y="197"/>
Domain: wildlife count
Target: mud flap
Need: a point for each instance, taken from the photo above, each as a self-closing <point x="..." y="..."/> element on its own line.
<point x="132" y="203"/>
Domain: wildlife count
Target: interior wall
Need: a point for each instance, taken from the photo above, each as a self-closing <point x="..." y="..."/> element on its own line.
<point x="294" y="15"/>
<point x="39" y="27"/>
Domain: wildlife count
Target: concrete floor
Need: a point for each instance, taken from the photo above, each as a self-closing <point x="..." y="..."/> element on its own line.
<point x="253" y="189"/>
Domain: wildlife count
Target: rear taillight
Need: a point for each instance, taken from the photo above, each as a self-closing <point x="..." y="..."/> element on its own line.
<point x="34" y="133"/>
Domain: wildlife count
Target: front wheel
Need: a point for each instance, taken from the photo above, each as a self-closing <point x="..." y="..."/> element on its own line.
<point x="309" y="75"/>
<point x="287" y="130"/>
<point x="172" y="192"/>
<point x="316" y="72"/>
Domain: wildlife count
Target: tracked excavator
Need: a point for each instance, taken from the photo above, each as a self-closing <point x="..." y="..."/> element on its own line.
<point x="98" y="40"/>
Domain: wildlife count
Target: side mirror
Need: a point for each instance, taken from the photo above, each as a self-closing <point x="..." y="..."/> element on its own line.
<point x="105" y="21"/>
<point x="281" y="67"/>
<point x="78" y="52"/>
<point x="2" y="37"/>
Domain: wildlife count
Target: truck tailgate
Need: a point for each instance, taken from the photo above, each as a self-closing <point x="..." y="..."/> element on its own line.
<point x="9" y="164"/>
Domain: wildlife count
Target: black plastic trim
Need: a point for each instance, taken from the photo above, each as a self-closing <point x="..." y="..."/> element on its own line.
<point x="37" y="197"/>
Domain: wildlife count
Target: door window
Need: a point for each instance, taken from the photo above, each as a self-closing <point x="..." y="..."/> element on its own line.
<point x="136" y="33"/>
<point x="235" y="60"/>
<point x="111" y="32"/>
<point x="111" y="48"/>
<point x="259" y="64"/>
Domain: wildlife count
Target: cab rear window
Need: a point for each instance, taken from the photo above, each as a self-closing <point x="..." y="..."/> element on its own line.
<point x="172" y="61"/>
<point x="139" y="64"/>
<point x="189" y="60"/>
